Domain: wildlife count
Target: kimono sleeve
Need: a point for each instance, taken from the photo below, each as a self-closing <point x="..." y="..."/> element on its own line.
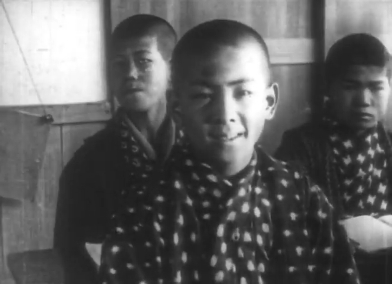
<point x="331" y="256"/>
<point x="77" y="203"/>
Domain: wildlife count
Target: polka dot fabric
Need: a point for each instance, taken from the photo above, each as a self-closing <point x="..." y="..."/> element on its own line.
<point x="128" y="226"/>
<point x="265" y="225"/>
<point x="363" y="171"/>
<point x="141" y="162"/>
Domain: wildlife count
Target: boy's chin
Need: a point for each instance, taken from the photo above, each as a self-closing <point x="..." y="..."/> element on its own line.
<point x="136" y="105"/>
<point x="231" y="156"/>
<point x="363" y="125"/>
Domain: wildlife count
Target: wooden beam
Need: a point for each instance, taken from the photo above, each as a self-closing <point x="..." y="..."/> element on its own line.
<point x="286" y="51"/>
<point x="81" y="113"/>
<point x="329" y="24"/>
<point x="74" y="113"/>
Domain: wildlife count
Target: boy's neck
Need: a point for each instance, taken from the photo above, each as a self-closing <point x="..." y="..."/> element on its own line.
<point x="148" y="122"/>
<point x="229" y="170"/>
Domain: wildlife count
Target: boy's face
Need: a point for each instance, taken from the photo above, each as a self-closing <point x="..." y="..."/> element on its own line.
<point x="138" y="73"/>
<point x="360" y="96"/>
<point x="223" y="100"/>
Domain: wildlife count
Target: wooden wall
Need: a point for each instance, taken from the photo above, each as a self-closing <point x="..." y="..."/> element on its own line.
<point x="297" y="31"/>
<point x="28" y="225"/>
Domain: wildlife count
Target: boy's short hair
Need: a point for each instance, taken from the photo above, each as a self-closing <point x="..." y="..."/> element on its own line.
<point x="142" y="25"/>
<point x="356" y="49"/>
<point x="203" y="40"/>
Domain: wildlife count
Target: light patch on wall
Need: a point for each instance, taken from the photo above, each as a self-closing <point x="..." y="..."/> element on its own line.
<point x="63" y="43"/>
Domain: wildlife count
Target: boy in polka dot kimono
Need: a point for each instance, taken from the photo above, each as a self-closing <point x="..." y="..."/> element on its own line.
<point x="224" y="211"/>
<point x="348" y="152"/>
<point x="115" y="164"/>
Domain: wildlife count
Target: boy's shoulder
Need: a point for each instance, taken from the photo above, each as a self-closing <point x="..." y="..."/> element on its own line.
<point x="286" y="178"/>
<point x="279" y="169"/>
<point x="100" y="144"/>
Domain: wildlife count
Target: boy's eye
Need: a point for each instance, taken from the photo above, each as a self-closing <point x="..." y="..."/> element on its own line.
<point x="244" y="93"/>
<point x="201" y="96"/>
<point x="144" y="61"/>
<point x="376" y="89"/>
<point x="119" y="62"/>
<point x="349" y="86"/>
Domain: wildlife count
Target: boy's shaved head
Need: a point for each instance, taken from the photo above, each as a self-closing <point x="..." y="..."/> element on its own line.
<point x="146" y="25"/>
<point x="356" y="49"/>
<point x="358" y="73"/>
<point x="206" y="38"/>
<point x="222" y="92"/>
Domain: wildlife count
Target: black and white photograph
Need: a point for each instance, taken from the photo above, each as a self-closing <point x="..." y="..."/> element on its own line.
<point x="195" y="142"/>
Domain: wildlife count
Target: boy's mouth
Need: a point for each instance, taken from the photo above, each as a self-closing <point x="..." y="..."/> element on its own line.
<point x="226" y="137"/>
<point x="134" y="90"/>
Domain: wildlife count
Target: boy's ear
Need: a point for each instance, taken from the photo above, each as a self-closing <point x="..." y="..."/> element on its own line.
<point x="272" y="100"/>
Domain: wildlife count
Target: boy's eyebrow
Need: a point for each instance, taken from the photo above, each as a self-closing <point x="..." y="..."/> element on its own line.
<point x="349" y="80"/>
<point x="142" y="51"/>
<point x="354" y="81"/>
<point x="376" y="82"/>
<point x="210" y="85"/>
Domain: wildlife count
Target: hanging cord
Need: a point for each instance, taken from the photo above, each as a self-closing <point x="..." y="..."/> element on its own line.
<point x="46" y="117"/>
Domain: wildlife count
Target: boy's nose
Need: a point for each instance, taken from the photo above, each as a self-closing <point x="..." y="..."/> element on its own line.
<point x="365" y="97"/>
<point x="133" y="72"/>
<point x="225" y="111"/>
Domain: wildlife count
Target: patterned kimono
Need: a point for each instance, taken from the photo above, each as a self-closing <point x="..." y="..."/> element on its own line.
<point x="354" y="171"/>
<point x="362" y="171"/>
<point x="111" y="164"/>
<point x="267" y="224"/>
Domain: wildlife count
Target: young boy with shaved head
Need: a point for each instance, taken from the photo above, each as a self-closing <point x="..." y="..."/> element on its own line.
<point x="223" y="211"/>
<point x="349" y="151"/>
<point x="116" y="163"/>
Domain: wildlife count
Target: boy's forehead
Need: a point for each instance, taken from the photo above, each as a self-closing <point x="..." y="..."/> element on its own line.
<point x="365" y="71"/>
<point x="227" y="59"/>
<point x="146" y="42"/>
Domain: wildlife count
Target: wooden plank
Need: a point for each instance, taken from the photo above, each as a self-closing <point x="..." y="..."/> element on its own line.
<point x="370" y="16"/>
<point x="366" y="16"/>
<point x="330" y="24"/>
<point x="80" y="113"/>
<point x="273" y="19"/>
<point x="74" y="135"/>
<point x="29" y="225"/>
<point x="37" y="267"/>
<point x="74" y="113"/>
<point x="23" y="140"/>
<point x="292" y="50"/>
<point x="285" y="24"/>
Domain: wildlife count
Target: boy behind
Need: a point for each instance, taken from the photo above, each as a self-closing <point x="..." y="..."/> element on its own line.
<point x="224" y="211"/>
<point x="349" y="152"/>
<point x="116" y="162"/>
